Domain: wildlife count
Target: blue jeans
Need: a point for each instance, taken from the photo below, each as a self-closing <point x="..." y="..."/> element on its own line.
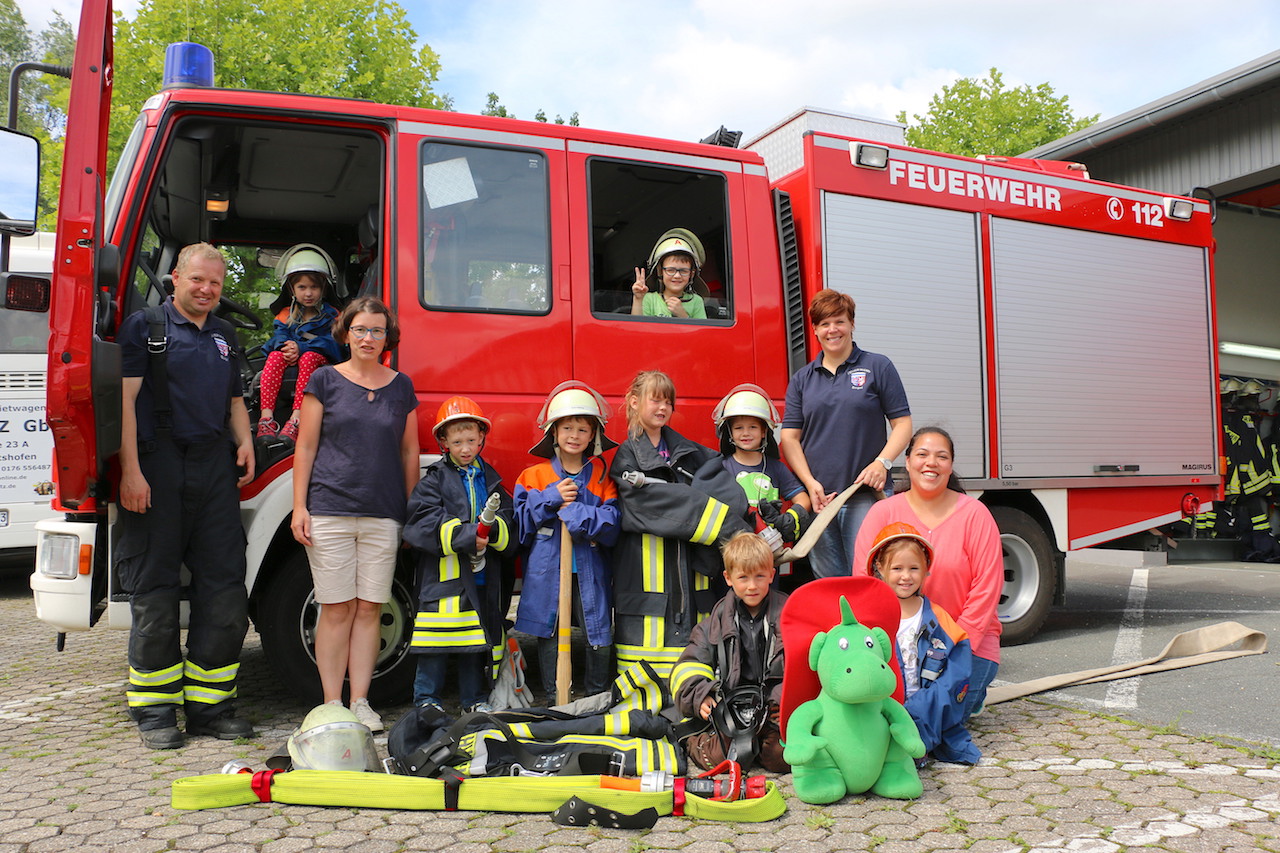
<point x="983" y="673"/>
<point x="473" y="683"/>
<point x="832" y="554"/>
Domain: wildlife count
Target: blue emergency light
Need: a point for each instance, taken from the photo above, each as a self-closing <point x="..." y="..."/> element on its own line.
<point x="188" y="64"/>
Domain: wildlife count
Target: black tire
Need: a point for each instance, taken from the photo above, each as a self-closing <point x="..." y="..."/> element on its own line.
<point x="1030" y="575"/>
<point x="287" y="614"/>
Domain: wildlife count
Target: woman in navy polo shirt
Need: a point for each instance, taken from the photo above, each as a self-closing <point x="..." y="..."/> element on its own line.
<point x="833" y="432"/>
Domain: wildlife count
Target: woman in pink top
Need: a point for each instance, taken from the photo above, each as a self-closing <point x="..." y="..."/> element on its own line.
<point x="967" y="574"/>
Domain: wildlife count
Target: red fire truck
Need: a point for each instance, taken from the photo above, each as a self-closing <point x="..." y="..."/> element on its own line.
<point x="1062" y="329"/>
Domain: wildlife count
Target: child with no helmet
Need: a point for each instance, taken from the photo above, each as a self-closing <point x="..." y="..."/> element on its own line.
<point x="933" y="651"/>
<point x="303" y="333"/>
<point x="667" y="552"/>
<point x="731" y="672"/>
<point x="572" y="489"/>
<point x="460" y="570"/>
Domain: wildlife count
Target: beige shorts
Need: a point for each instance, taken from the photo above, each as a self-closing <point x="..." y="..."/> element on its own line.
<point x="353" y="557"/>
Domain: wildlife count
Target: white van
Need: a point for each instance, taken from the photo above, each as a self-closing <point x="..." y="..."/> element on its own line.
<point x="26" y="445"/>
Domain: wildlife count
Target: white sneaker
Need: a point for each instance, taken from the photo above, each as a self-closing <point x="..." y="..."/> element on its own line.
<point x="366" y="715"/>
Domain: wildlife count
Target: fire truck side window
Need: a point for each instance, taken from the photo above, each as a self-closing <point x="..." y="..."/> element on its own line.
<point x="486" y="234"/>
<point x="632" y="205"/>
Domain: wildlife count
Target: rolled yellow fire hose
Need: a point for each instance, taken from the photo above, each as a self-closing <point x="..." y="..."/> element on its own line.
<point x="490" y="794"/>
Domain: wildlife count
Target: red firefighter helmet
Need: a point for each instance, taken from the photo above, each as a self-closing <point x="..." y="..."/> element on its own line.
<point x="459" y="408"/>
<point x="892" y="533"/>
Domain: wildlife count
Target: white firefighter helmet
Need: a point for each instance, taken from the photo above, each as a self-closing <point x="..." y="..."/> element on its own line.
<point x="305" y="257"/>
<point x="308" y="258"/>
<point x="572" y="399"/>
<point x="751" y="401"/>
<point x="678" y="240"/>
<point x="331" y="738"/>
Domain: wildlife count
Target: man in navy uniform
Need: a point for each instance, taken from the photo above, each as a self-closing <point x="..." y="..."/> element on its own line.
<point x="185" y="450"/>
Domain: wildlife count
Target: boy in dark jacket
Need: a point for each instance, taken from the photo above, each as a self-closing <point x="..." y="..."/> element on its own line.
<point x="731" y="672"/>
<point x="459" y="592"/>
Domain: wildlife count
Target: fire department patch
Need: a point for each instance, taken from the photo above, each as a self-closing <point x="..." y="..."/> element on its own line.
<point x="224" y="349"/>
<point x="859" y="378"/>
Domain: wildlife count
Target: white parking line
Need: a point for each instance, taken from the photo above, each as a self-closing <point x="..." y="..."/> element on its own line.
<point x="1123" y="694"/>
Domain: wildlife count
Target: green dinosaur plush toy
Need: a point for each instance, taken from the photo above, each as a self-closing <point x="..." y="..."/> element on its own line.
<point x="854" y="737"/>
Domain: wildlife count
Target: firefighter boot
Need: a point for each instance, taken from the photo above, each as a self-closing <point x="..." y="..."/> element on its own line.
<point x="155" y="670"/>
<point x="213" y="651"/>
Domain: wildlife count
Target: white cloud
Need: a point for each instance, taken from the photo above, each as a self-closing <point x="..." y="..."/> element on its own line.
<point x="681" y="68"/>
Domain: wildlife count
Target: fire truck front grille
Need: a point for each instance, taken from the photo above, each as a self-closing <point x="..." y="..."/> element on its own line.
<point x="16" y="381"/>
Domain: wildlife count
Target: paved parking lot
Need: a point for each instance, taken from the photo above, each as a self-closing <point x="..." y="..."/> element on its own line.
<point x="76" y="777"/>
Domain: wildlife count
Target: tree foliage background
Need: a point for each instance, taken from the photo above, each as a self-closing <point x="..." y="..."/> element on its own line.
<point x="41" y="97"/>
<point x="314" y="47"/>
<point x="980" y="116"/>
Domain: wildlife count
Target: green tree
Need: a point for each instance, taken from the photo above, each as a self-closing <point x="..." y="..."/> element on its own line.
<point x="41" y="111"/>
<point x="15" y="44"/>
<point x="317" y="47"/>
<point x="49" y="94"/>
<point x="494" y="107"/>
<point x="980" y="116"/>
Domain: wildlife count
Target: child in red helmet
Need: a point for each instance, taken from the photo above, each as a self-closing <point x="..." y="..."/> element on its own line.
<point x="459" y="594"/>
<point x="933" y="651"/>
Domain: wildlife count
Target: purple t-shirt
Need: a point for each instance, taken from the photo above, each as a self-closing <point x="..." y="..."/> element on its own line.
<point x="358" y="470"/>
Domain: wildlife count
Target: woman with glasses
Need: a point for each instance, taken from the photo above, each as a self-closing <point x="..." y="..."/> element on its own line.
<point x="356" y="462"/>
<point x="673" y="287"/>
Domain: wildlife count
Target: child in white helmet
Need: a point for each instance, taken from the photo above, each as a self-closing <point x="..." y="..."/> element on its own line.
<point x="673" y="287"/>
<point x="571" y="488"/>
<point x="303" y="333"/>
<point x="745" y="422"/>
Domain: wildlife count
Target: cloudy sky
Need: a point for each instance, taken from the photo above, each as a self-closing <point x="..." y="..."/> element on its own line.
<point x="682" y="68"/>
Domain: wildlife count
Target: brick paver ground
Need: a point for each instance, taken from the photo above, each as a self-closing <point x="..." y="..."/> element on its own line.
<point x="76" y="778"/>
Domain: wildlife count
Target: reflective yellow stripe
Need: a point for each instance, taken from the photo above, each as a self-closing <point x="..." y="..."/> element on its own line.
<point x="653" y="553"/>
<point x="446" y="536"/>
<point x="138" y="699"/>
<point x="685" y="670"/>
<point x="713" y="516"/>
<point x="499" y="535"/>
<point x="638" y="690"/>
<point x="157" y="677"/>
<point x="218" y="674"/>
<point x="448" y="627"/>
<point x="203" y="695"/>
<point x="661" y="658"/>
<point x="617" y="724"/>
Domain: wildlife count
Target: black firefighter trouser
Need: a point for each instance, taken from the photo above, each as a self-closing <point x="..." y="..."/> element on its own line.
<point x="194" y="520"/>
